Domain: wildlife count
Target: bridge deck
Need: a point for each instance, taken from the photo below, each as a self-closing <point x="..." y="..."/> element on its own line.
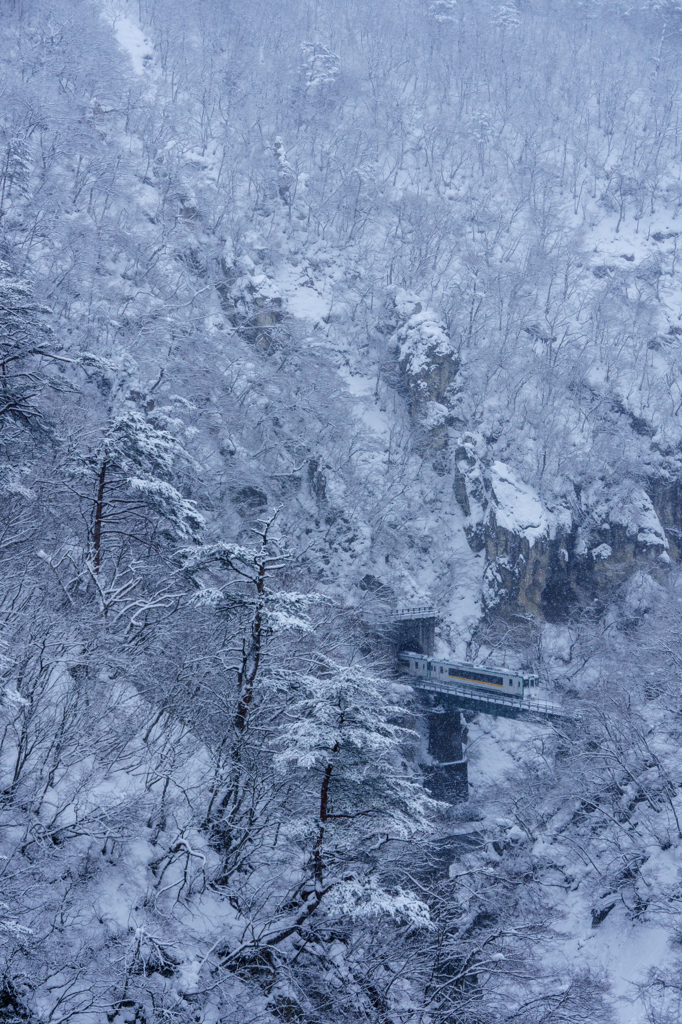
<point x="490" y="703"/>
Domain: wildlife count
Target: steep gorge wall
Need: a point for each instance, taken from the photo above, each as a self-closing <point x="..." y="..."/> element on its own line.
<point x="547" y="562"/>
<point x="428" y="365"/>
<point x="540" y="561"/>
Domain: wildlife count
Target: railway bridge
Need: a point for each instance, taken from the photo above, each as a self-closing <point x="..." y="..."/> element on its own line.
<point x="443" y="701"/>
<point x="468" y="699"/>
<point x="442" y="704"/>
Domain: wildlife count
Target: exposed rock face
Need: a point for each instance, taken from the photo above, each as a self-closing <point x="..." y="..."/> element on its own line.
<point x="252" y="302"/>
<point x="428" y="362"/>
<point x="666" y="495"/>
<point x="619" y="522"/>
<point x="544" y="561"/>
<point x="250" y="501"/>
<point x="317" y="480"/>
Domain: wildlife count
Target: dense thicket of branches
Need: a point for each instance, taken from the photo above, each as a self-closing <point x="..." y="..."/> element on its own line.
<point x="210" y="807"/>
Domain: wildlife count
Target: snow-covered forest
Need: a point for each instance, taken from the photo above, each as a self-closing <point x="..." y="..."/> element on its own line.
<point x="311" y="310"/>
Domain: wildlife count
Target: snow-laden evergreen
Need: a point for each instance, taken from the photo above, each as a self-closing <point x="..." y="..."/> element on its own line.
<point x="308" y="311"/>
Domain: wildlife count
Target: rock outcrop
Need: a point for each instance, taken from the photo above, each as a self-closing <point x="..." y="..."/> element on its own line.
<point x="665" y="491"/>
<point x="252" y="302"/>
<point x="545" y="561"/>
<point x="428" y="363"/>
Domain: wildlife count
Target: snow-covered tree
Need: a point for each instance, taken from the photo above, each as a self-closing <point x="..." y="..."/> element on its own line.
<point x="26" y="352"/>
<point x="237" y="584"/>
<point x="133" y="499"/>
<point x="341" y="736"/>
<point x="199" y="768"/>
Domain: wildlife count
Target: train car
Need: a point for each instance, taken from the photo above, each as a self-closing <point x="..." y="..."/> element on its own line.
<point x="493" y="680"/>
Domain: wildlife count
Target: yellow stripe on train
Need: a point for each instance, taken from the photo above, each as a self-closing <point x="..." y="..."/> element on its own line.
<point x="481" y="682"/>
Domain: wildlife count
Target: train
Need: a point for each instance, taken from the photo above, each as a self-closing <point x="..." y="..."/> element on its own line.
<point x="500" y="681"/>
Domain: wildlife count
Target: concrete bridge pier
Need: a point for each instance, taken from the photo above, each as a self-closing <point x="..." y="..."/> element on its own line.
<point x="447" y="776"/>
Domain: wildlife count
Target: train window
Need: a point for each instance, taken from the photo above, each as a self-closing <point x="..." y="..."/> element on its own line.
<point x="441" y="670"/>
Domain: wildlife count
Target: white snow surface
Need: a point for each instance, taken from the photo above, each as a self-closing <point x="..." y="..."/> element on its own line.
<point x="423" y="339"/>
<point x="302" y="299"/>
<point x="628" y="505"/>
<point x="518" y="508"/>
<point x="622" y="949"/>
<point x="437" y="558"/>
<point x="131" y="38"/>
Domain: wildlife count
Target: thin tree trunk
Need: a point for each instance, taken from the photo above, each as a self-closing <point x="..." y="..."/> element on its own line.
<point x="99" y="509"/>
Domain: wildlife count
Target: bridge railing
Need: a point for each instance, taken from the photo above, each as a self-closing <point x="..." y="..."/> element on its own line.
<point x="493" y="700"/>
<point x="425" y="611"/>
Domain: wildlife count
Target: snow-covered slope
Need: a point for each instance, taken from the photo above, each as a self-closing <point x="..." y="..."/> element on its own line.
<point x="309" y="312"/>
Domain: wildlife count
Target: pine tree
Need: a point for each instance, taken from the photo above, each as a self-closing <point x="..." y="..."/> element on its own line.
<point x="134" y="500"/>
<point x="342" y="739"/>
